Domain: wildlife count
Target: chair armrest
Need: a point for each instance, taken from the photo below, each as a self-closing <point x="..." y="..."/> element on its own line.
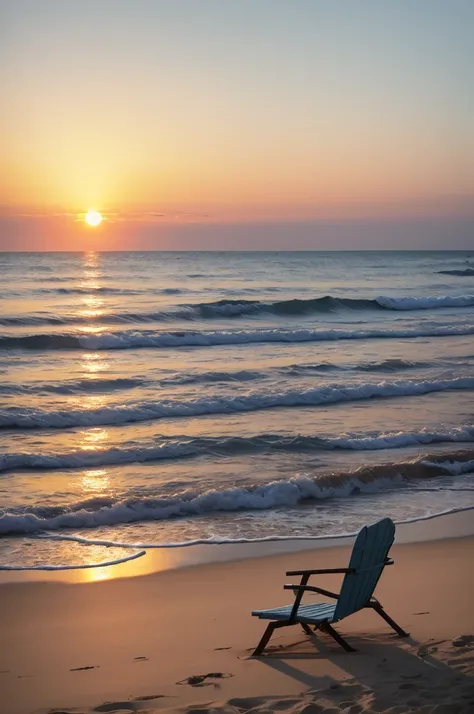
<point x="323" y="571"/>
<point x="310" y="589"/>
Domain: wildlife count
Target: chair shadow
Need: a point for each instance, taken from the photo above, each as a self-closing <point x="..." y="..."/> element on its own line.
<point x="385" y="667"/>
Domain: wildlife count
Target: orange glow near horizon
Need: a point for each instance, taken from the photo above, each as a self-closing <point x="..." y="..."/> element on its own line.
<point x="368" y="122"/>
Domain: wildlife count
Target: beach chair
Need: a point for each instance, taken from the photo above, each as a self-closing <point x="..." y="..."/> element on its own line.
<point x="368" y="559"/>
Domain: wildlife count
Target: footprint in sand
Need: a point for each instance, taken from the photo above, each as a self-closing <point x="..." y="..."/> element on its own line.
<point x="351" y="708"/>
<point x="89" y="666"/>
<point x="116" y="706"/>
<point x="132" y="705"/>
<point x="148" y="697"/>
<point x="463" y="640"/>
<point x="198" y="680"/>
<point x="311" y="708"/>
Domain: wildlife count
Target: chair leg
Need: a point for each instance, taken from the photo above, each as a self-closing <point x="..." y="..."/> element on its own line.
<point x="307" y="629"/>
<point x="326" y="627"/>
<point x="379" y="609"/>
<point x="266" y="636"/>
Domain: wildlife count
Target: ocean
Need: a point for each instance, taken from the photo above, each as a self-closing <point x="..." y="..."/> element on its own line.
<point x="165" y="398"/>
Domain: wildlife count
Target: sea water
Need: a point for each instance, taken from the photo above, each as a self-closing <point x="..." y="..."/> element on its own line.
<point x="164" y="398"/>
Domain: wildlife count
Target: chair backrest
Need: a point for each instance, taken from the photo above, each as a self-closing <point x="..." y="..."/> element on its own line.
<point x="367" y="562"/>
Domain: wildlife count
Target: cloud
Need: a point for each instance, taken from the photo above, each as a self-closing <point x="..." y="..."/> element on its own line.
<point x="108" y="215"/>
<point x="147" y="216"/>
<point x="400" y="234"/>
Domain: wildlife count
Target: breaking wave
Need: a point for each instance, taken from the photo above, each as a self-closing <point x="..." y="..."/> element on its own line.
<point x="105" y="511"/>
<point x="189" y="338"/>
<point x="182" y="447"/>
<point x="218" y="540"/>
<point x="425" y="303"/>
<point x="28" y="418"/>
<point x="227" y="308"/>
<point x="328" y="303"/>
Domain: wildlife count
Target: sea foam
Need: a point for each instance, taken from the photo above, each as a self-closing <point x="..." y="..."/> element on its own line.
<point x="107" y="511"/>
<point x="30" y="418"/>
<point x="229" y="446"/>
<point x="133" y="339"/>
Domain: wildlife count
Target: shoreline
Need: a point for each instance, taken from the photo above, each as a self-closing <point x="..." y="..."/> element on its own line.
<point x="130" y="644"/>
<point x="149" y="559"/>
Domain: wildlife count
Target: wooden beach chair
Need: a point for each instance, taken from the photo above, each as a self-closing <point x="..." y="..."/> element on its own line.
<point x="368" y="559"/>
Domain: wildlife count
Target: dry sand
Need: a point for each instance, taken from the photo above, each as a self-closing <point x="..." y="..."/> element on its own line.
<point x="130" y="644"/>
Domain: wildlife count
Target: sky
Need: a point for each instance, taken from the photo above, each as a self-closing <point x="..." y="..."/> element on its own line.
<point x="226" y="124"/>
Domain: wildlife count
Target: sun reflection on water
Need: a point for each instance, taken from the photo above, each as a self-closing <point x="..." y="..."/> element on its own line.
<point x="92" y="329"/>
<point x="90" y="361"/>
<point x="92" y="301"/>
<point x="87" y="402"/>
<point x="95" y="481"/>
<point x="93" y="439"/>
<point x="90" y="281"/>
<point x="93" y="305"/>
<point x="93" y="363"/>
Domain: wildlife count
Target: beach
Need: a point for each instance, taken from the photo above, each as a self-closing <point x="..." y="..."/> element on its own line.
<point x="178" y="431"/>
<point x="121" y="642"/>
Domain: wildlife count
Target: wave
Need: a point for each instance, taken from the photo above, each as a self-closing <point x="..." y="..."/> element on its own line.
<point x="466" y="271"/>
<point x="106" y="290"/>
<point x="425" y="303"/>
<point x="146" y="338"/>
<point x="242" y="375"/>
<point x="54" y="279"/>
<point x="219" y="540"/>
<point x="73" y="386"/>
<point x="329" y="303"/>
<point x="106" y="511"/>
<point x="93" y="289"/>
<point x="386" y="365"/>
<point x="78" y="386"/>
<point x="182" y="447"/>
<point x="82" y="566"/>
<point x="293" y="370"/>
<point x="237" y="308"/>
<point x="28" y="418"/>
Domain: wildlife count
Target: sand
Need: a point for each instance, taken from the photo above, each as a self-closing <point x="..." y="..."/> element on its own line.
<point x="131" y="644"/>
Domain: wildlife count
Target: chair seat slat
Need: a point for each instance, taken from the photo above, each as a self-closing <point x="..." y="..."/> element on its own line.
<point x="316" y="612"/>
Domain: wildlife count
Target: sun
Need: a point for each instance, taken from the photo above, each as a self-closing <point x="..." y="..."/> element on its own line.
<point x="93" y="218"/>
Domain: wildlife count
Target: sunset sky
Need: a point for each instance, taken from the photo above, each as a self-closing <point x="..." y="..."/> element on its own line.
<point x="219" y="124"/>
